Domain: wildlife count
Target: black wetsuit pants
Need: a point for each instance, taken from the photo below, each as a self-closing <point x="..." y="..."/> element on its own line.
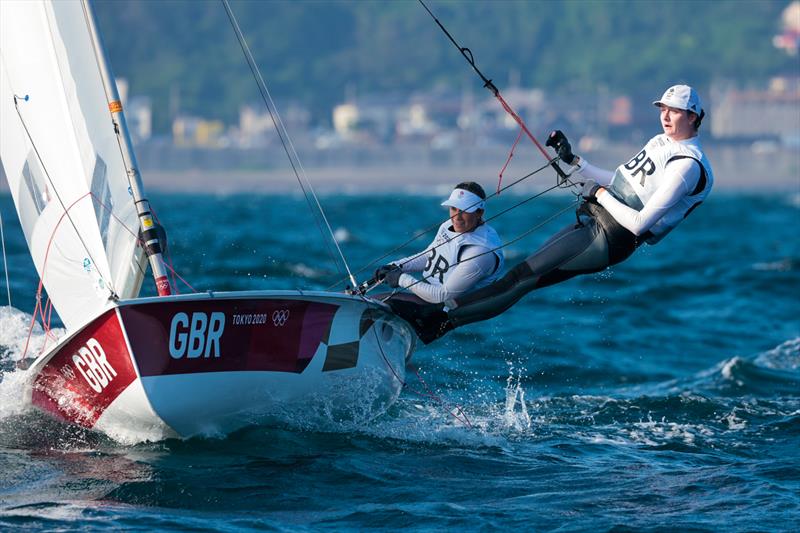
<point x="594" y="243"/>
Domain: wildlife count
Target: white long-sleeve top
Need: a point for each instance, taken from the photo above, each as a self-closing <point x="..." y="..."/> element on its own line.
<point x="665" y="177"/>
<point x="476" y="263"/>
<point x="454" y="263"/>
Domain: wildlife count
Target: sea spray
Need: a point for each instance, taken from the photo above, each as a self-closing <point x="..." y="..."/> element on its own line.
<point x="515" y="395"/>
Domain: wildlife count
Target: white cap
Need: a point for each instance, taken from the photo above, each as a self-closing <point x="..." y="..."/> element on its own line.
<point x="465" y="201"/>
<point x="681" y="97"/>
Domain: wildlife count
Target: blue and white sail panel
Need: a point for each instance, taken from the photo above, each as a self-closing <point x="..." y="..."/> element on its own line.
<point x="62" y="160"/>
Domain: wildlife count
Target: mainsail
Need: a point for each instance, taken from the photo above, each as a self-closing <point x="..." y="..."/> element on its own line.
<point x="63" y="161"/>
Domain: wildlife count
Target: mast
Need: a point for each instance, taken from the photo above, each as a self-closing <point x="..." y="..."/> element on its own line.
<point x="151" y="232"/>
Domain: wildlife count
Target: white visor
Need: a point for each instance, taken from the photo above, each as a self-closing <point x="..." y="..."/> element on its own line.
<point x="464" y="201"/>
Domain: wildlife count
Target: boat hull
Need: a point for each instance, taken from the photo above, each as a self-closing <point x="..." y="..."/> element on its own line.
<point x="179" y="366"/>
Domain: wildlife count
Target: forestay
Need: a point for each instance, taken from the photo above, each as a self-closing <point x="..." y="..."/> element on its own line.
<point x="66" y="172"/>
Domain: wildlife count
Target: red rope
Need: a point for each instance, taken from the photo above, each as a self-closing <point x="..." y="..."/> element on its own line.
<point x="38" y="307"/>
<point x="427" y="393"/>
<point x="522" y="125"/>
<point x="442" y="402"/>
<point x="523" y="128"/>
<point x="33" y="319"/>
<point x="45" y="312"/>
<point x="510" y="155"/>
<point x="141" y="242"/>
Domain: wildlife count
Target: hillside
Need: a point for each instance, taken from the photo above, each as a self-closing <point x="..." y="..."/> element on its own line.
<point x="184" y="53"/>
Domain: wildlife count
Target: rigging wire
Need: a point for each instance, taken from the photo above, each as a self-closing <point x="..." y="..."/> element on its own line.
<point x="493" y="250"/>
<point x="561" y="184"/>
<point x="110" y="287"/>
<point x="563" y="178"/>
<point x="456" y="412"/>
<point x="286" y="141"/>
<point x="467" y="53"/>
<point x="5" y="263"/>
<point x="99" y="63"/>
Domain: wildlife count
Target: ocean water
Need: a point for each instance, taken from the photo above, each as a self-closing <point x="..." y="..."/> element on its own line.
<point x="662" y="395"/>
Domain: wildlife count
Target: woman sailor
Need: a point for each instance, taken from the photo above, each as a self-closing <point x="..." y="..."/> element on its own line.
<point x="641" y="202"/>
<point x="465" y="254"/>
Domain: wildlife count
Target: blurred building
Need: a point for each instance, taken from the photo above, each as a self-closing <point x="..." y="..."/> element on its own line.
<point x="367" y="120"/>
<point x="138" y="112"/>
<point x="255" y="128"/>
<point x="771" y="113"/>
<point x="190" y="131"/>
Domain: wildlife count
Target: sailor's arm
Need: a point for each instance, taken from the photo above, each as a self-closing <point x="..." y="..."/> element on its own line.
<point x="413" y="263"/>
<point x="681" y="177"/>
<point x="476" y="263"/>
<point x="600" y="175"/>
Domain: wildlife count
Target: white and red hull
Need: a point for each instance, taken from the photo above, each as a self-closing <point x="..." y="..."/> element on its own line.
<point x="178" y="366"/>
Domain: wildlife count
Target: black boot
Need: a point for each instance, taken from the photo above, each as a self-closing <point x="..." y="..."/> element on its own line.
<point x="428" y="320"/>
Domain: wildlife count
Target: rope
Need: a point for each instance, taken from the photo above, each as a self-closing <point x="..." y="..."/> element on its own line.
<point x="427" y="393"/>
<point x="38" y="306"/>
<point x="467" y="53"/>
<point x="141" y="242"/>
<point x="286" y="140"/>
<point x="45" y="312"/>
<point x="508" y="160"/>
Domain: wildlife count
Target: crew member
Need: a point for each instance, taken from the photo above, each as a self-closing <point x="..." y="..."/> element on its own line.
<point x="465" y="255"/>
<point x="642" y="201"/>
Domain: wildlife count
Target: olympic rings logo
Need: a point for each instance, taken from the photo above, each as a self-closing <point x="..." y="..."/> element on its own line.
<point x="280" y="317"/>
<point x="67" y="372"/>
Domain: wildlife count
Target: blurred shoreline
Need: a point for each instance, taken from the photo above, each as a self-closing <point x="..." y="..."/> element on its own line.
<point x="418" y="169"/>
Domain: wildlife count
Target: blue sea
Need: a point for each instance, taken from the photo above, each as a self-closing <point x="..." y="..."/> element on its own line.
<point x="661" y="395"/>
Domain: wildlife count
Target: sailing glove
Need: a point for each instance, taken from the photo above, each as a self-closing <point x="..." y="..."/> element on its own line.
<point x="381" y="272"/>
<point x="558" y="141"/>
<point x="589" y="189"/>
<point x="392" y="278"/>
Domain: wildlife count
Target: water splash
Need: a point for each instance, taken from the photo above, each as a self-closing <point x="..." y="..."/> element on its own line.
<point x="515" y="396"/>
<point x="15" y="326"/>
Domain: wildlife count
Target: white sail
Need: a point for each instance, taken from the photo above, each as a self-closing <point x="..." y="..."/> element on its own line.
<point x="62" y="159"/>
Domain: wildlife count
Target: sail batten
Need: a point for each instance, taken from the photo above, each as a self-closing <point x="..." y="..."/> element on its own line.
<point x="62" y="160"/>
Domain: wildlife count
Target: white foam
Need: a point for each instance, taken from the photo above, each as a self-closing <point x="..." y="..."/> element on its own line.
<point x="14" y="328"/>
<point x="342" y="235"/>
<point x="727" y="370"/>
<point x="785" y="356"/>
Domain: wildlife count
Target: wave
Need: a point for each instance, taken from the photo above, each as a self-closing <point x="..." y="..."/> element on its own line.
<point x="725" y="406"/>
<point x="787" y="264"/>
<point x="736" y="397"/>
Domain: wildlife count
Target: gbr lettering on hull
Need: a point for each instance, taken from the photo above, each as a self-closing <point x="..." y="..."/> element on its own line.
<point x="93" y="365"/>
<point x="195" y="336"/>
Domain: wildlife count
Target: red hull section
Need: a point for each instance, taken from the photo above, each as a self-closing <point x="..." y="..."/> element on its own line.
<point x="88" y="373"/>
<point x="221" y="335"/>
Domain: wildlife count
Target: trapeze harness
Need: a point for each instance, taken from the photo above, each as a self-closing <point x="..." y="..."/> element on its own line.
<point x="597" y="240"/>
<point x="454" y="263"/>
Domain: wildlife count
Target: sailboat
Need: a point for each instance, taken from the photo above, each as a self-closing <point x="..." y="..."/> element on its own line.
<point x="170" y="365"/>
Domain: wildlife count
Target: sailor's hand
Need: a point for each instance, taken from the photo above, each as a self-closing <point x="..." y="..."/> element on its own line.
<point x="392" y="278"/>
<point x="381" y="272"/>
<point x="589" y="189"/>
<point x="558" y="141"/>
